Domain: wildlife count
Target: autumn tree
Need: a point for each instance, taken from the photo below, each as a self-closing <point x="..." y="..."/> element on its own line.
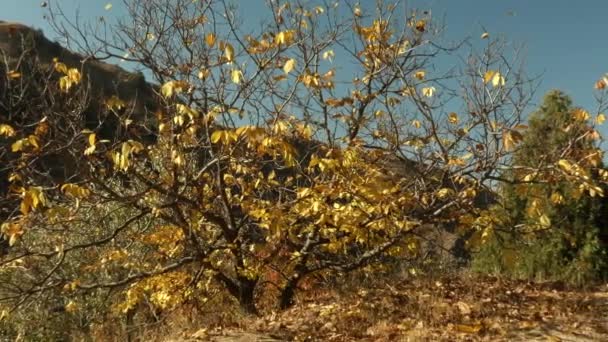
<point x="319" y="143"/>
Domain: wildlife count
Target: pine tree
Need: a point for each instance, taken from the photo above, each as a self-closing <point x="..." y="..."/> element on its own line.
<point x="571" y="245"/>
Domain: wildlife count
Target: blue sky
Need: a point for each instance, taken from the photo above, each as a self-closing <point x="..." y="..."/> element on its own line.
<point x="564" y="39"/>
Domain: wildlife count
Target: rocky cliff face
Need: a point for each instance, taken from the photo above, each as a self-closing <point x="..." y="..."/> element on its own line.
<point x="33" y="96"/>
<point x="18" y="41"/>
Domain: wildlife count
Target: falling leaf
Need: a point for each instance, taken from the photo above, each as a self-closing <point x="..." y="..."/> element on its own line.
<point x="420" y="74"/>
<point x="485" y="35"/>
<point x="416" y="123"/>
<point x="289" y="65"/>
<point x="108" y="7"/>
<point x="600" y="119"/>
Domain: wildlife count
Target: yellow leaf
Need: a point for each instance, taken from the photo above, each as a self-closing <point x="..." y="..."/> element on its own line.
<point x="33" y="198"/>
<point x="510" y="138"/>
<point x="580" y="114"/>
<point x="599" y="119"/>
<point x="485" y="35"/>
<point x="357" y="11"/>
<point x="487" y="77"/>
<point x="13" y="74"/>
<point x="453" y="118"/>
<point x="115" y="103"/>
<point x="14" y="177"/>
<point x="557" y="198"/>
<point x="421" y="25"/>
<point x="428" y="91"/>
<point x="19" y="145"/>
<point x="495" y="77"/>
<point x="420" y="74"/>
<point x="416" y="123"/>
<point x="216" y="136"/>
<point x="183" y="109"/>
<point x="236" y="76"/>
<point x="229" y="52"/>
<point x="74" y="75"/>
<point x="328" y="55"/>
<point x="284" y="37"/>
<point x="108" y="7"/>
<point x="498" y="80"/>
<point x="60" y="67"/>
<point x="173" y="87"/>
<point x="71" y="307"/>
<point x="13" y="231"/>
<point x="65" y="84"/>
<point x="444" y="193"/>
<point x="210" y="39"/>
<point x="289" y="65"/>
<point x="75" y="191"/>
<point x="469" y="329"/>
<point x="203" y="74"/>
<point x="7" y="131"/>
<point x="92" y="137"/>
<point x="544" y="221"/>
<point x="565" y="165"/>
<point x="89" y="150"/>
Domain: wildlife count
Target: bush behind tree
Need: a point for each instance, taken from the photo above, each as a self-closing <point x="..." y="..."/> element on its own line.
<point x="571" y="245"/>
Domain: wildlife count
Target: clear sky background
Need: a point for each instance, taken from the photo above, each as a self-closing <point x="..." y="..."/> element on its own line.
<point x="565" y="40"/>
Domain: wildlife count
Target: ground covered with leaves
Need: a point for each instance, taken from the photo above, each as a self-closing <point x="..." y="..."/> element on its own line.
<point x="452" y="308"/>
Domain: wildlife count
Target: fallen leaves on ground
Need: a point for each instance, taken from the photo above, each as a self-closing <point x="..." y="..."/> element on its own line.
<point x="455" y="308"/>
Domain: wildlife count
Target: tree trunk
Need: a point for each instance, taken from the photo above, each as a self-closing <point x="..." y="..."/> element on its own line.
<point x="243" y="289"/>
<point x="287" y="294"/>
<point x="246" y="295"/>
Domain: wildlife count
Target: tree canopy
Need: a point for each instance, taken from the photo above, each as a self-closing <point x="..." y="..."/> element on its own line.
<point x="271" y="163"/>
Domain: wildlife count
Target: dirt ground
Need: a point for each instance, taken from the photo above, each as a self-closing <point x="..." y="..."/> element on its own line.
<point x="463" y="308"/>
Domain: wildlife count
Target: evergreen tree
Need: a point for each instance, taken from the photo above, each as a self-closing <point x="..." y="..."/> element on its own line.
<point x="570" y="243"/>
